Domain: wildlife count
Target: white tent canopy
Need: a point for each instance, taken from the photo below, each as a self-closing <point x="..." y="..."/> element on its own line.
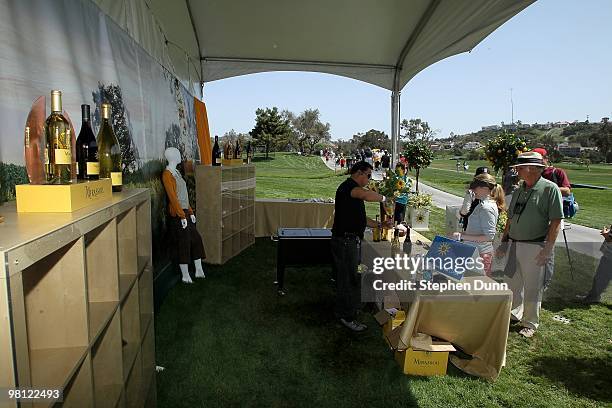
<point x="381" y="42"/>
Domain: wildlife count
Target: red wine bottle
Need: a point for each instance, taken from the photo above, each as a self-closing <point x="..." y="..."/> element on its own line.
<point x="88" y="166"/>
<point x="216" y="153"/>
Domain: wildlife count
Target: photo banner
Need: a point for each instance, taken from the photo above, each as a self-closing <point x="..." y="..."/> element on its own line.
<point x="72" y="46"/>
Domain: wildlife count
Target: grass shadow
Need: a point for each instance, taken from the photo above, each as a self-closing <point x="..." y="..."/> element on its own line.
<point x="585" y="377"/>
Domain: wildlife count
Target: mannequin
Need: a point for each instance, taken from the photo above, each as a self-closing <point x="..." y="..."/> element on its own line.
<point x="182" y="220"/>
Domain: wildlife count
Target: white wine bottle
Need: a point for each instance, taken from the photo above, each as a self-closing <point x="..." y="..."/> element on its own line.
<point x="109" y="151"/>
<point x="58" y="143"/>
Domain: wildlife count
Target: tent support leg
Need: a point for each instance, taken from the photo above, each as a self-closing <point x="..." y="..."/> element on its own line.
<point x="395" y="110"/>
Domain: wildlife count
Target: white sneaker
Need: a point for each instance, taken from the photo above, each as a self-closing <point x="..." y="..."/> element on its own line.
<point x="353" y="325"/>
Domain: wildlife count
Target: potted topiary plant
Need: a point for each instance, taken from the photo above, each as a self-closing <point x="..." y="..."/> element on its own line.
<point x="419" y="207"/>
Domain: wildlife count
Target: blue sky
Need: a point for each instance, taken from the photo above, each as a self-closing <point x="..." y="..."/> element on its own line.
<point x="556" y="56"/>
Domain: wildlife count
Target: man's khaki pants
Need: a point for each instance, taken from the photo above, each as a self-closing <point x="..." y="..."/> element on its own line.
<point x="527" y="285"/>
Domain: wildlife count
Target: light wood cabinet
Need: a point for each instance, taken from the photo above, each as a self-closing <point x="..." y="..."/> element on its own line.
<point x="226" y="210"/>
<point x="76" y="303"/>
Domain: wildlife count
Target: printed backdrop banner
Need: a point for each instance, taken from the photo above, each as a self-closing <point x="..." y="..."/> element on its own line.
<point x="72" y="46"/>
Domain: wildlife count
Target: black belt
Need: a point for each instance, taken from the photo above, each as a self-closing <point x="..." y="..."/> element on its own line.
<point x="541" y="239"/>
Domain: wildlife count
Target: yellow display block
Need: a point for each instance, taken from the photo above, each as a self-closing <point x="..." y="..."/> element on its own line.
<point x="62" y="197"/>
<point x="424" y="363"/>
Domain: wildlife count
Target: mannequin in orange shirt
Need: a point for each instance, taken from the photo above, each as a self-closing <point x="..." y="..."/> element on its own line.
<point x="182" y="221"/>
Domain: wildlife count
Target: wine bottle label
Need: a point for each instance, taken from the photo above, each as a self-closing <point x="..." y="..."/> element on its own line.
<point x="46" y="156"/>
<point x="63" y="156"/>
<point x="116" y="178"/>
<point x="77" y="167"/>
<point x="218" y="160"/>
<point x="93" y="168"/>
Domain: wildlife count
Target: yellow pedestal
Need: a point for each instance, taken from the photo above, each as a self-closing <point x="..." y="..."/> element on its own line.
<point x="62" y="197"/>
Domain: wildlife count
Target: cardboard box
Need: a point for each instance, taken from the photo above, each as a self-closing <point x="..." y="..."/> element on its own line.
<point x="393" y="322"/>
<point x="62" y="197"/>
<point x="425" y="362"/>
<point x="423" y="356"/>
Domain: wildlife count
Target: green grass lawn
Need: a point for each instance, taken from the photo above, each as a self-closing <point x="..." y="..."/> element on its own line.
<point x="229" y="340"/>
<point x="595" y="205"/>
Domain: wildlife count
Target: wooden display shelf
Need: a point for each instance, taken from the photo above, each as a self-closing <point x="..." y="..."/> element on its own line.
<point x="126" y="282"/>
<point x="52" y="368"/>
<point x="72" y="286"/>
<point x="100" y="314"/>
<point x="80" y="392"/>
<point x="134" y="387"/>
<point x="130" y="329"/>
<point x="226" y="205"/>
<point x="107" y="365"/>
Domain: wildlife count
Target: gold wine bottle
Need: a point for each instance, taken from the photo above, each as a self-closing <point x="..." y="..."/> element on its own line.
<point x="58" y="143"/>
<point x="376" y="232"/>
<point x="109" y="151"/>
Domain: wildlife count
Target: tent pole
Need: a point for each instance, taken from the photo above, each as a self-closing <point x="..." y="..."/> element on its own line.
<point x="395" y="112"/>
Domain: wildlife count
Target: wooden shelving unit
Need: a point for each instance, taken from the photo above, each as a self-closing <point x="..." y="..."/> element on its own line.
<point x="76" y="303"/>
<point x="226" y="210"/>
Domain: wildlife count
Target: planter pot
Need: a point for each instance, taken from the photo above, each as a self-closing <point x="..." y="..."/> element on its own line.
<point x="419" y="219"/>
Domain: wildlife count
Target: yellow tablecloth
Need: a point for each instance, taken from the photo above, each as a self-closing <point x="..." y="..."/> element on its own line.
<point x="271" y="214"/>
<point x="474" y="321"/>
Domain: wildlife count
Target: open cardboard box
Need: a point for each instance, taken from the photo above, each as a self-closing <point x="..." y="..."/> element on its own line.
<point x="423" y="357"/>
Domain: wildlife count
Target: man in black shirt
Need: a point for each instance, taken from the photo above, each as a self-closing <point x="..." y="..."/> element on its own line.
<point x="350" y="222"/>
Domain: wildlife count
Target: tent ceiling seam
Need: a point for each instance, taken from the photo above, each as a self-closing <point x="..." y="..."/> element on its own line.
<point x="195" y="34"/>
<point x="298" y="62"/>
<point x="433" y="5"/>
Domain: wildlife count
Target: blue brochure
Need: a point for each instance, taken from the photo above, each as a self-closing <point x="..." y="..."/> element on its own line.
<point x="450" y="258"/>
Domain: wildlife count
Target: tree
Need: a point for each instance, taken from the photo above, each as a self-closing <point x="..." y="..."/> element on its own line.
<point x="475" y="154"/>
<point x="373" y="138"/>
<point x="549" y="143"/>
<point x="603" y="139"/>
<point x="415" y="129"/>
<point x="419" y="155"/>
<point x="270" y="126"/>
<point x="120" y="121"/>
<point x="309" y="130"/>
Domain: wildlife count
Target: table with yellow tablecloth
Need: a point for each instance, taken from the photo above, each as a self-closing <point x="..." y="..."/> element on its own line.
<point x="475" y="321"/>
<point x="272" y="214"/>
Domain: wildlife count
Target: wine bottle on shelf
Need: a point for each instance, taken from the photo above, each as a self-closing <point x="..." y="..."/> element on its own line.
<point x="109" y="151"/>
<point x="238" y="150"/>
<point x="248" y="153"/>
<point x="230" y="150"/>
<point x="216" y="153"/>
<point x="58" y="159"/>
<point x="88" y="166"/>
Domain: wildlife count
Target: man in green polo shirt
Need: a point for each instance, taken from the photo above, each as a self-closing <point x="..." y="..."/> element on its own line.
<point x="534" y="217"/>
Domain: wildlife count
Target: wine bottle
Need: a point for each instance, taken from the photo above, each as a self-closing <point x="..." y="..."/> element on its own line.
<point x="376" y="231"/>
<point x="88" y="166"/>
<point x="248" y="152"/>
<point x="238" y="150"/>
<point x="230" y="150"/>
<point x="109" y="151"/>
<point x="58" y="142"/>
<point x="216" y="153"/>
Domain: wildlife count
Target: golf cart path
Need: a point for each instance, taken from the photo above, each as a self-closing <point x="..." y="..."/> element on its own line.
<point x="580" y="238"/>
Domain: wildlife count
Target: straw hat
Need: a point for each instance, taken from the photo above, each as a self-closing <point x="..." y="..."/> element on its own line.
<point x="529" y="159"/>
